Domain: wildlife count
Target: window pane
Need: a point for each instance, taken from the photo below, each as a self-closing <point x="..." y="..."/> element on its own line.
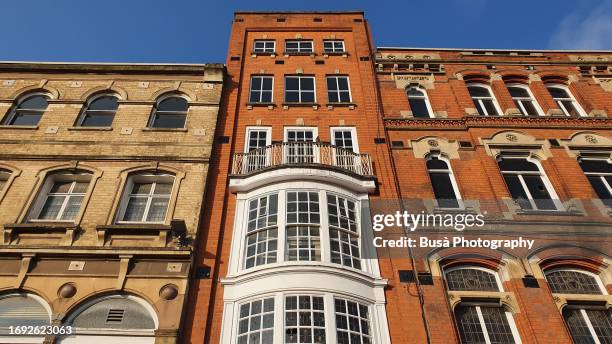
<point x="61" y="187"/>
<point x="104" y="103"/>
<point x="470" y="279"/>
<point x="506" y="164"/>
<point x="72" y="208"/>
<point x="443" y="190"/>
<point x="307" y="84"/>
<point x="469" y="325"/>
<point x="308" y="97"/>
<point x="93" y="119"/>
<point x="539" y="192"/>
<point x="169" y="121"/>
<point x="266" y="84"/>
<point x="577" y="326"/>
<point x="601" y="320"/>
<point x="572" y="282"/>
<point x="135" y="209"/>
<point x="491" y="109"/>
<point x="476" y="91"/>
<point x="516" y="190"/>
<point x="51" y="208"/>
<point x="595" y="165"/>
<point x="304" y="320"/>
<point x="557" y="92"/>
<point x="38" y="102"/>
<point x="142" y="188"/>
<point x="162" y="188"/>
<point x="303" y="243"/>
<point x="570" y="108"/>
<point x="176" y="104"/>
<point x="26" y="118"/>
<point x="331" y="84"/>
<point x="530" y="108"/>
<point x="601" y="189"/>
<point x="497" y="325"/>
<point x="415" y="92"/>
<point x="157" y="210"/>
<point x="419" y="108"/>
<point x="255" y="97"/>
<point x="518" y="92"/>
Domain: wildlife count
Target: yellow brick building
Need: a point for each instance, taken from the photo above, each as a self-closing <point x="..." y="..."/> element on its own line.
<point x="102" y="175"/>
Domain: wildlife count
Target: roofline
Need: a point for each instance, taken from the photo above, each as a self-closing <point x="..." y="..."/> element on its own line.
<point x="107" y="67"/>
<point x="484" y="49"/>
<point x="300" y="12"/>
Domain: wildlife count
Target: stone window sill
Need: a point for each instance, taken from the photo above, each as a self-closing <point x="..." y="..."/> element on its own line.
<point x="26" y="127"/>
<point x="183" y="130"/>
<point x="90" y="128"/>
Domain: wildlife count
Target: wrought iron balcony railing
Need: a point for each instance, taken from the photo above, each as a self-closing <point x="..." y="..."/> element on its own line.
<point x="302" y="154"/>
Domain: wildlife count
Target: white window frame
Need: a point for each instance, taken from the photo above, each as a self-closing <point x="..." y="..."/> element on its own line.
<point x="261" y="90"/>
<point x="549" y="187"/>
<point x="10" y="117"/>
<point x="597" y="278"/>
<point x="425" y="96"/>
<point x="155" y="111"/>
<point x="601" y="175"/>
<point x="299" y="90"/>
<point x="145" y="178"/>
<point x="299" y="43"/>
<point x="491" y="97"/>
<point x="500" y="286"/>
<point x="265" y="41"/>
<point x="249" y="129"/>
<point x="43" y="194"/>
<point x="509" y="317"/>
<point x="589" y="324"/>
<point x="353" y="131"/>
<point x="531" y="99"/>
<point x="241" y="227"/>
<point x="451" y="175"/>
<point x="86" y="109"/>
<point x="376" y="315"/>
<point x="338" y="90"/>
<point x="571" y="98"/>
<point x="333" y="51"/>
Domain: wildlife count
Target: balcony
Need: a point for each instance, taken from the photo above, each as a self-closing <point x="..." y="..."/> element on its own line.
<point x="302" y="154"/>
<point x="302" y="160"/>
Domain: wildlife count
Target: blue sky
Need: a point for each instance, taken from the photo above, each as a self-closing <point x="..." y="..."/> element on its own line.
<point x="191" y="31"/>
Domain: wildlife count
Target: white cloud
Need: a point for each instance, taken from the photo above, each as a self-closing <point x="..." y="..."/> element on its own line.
<point x="590" y="30"/>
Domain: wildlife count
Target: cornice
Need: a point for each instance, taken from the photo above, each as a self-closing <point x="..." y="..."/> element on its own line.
<point x="494" y="122"/>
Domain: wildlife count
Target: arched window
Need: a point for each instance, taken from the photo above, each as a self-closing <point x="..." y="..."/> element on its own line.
<point x="4" y="177"/>
<point x="288" y="226"/>
<point x="20" y="309"/>
<point x="61" y="196"/>
<point x="565" y="100"/>
<point x="588" y="322"/>
<point x="28" y="110"/>
<point x="479" y="320"/>
<point x="484" y="100"/>
<point x="523" y="99"/>
<point x="472" y="279"/>
<point x="419" y="103"/>
<point x="527" y="184"/>
<point x="599" y="173"/>
<point x="146" y="198"/>
<point x="119" y="318"/>
<point x="99" y="111"/>
<point x="571" y="281"/>
<point x="170" y="112"/>
<point x="443" y="182"/>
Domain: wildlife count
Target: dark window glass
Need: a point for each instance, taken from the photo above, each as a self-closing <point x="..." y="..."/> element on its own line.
<point x="299" y="89"/>
<point x="419" y="108"/>
<point x="601" y="320"/>
<point x="435" y="163"/>
<point x="469" y="325"/>
<point x="497" y="325"/>
<point x="577" y="326"/>
<point x="173" y="104"/>
<point x="539" y="192"/>
<point x="28" y="111"/>
<point x="530" y="108"/>
<point x="490" y="107"/>
<point x="557" y="92"/>
<point x="518" y="92"/>
<point x="170" y="113"/>
<point x="476" y="91"/>
<point x="261" y="89"/>
<point x="443" y="190"/>
<point x="517" y="165"/>
<point x="100" y="112"/>
<point x="599" y="174"/>
<point x="517" y="191"/>
<point x="338" y="89"/>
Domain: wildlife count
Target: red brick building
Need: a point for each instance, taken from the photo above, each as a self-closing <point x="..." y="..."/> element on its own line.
<point x="319" y="131"/>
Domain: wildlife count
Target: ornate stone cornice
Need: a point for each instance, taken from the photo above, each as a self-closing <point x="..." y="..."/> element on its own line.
<point x="493" y="122"/>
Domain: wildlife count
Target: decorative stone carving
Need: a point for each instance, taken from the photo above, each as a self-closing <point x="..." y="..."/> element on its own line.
<point x="403" y="81"/>
<point x="590" y="139"/>
<point x="168" y="292"/>
<point x="432" y="143"/>
<point x="511" y="137"/>
<point x="66" y="291"/>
